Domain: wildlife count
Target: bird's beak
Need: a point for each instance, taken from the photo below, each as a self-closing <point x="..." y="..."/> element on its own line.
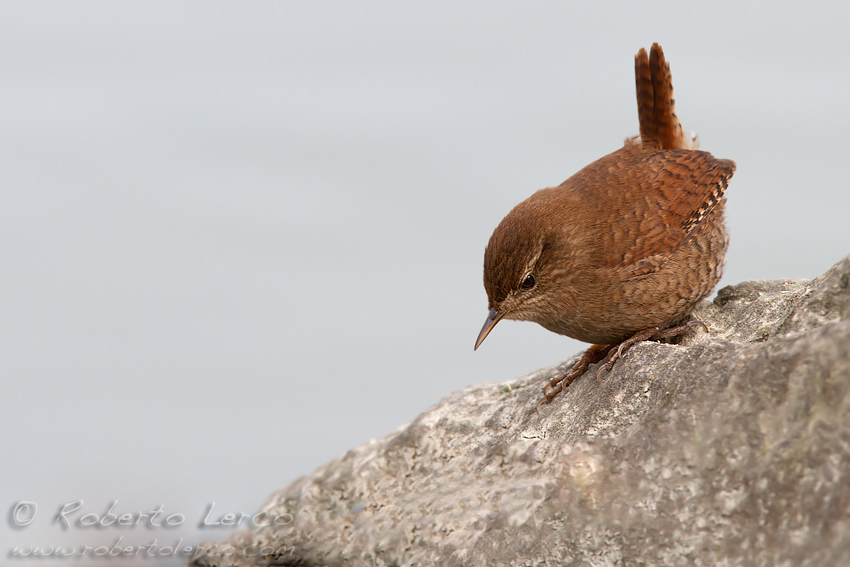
<point x="492" y="318"/>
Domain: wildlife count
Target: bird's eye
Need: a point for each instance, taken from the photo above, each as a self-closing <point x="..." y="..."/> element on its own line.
<point x="528" y="282"/>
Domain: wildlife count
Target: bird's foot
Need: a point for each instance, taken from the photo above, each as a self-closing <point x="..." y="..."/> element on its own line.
<point x="597" y="353"/>
<point x="591" y="356"/>
<point x="647" y="334"/>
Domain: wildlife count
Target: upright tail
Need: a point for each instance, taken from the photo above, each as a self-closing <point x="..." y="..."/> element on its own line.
<point x="656" y="105"/>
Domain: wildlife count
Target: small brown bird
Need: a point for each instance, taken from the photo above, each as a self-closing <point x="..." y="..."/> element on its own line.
<point x="623" y="250"/>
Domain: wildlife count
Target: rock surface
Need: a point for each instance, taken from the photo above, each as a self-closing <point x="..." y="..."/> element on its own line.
<point x="732" y="448"/>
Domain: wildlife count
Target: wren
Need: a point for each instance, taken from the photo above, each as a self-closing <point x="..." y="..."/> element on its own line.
<point x="623" y="250"/>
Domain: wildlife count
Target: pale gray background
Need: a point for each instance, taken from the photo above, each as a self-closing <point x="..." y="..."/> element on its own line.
<point x="239" y="239"/>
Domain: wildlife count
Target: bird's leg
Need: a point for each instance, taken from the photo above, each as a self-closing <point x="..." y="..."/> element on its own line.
<point x="591" y="356"/>
<point x="598" y="352"/>
<point x="645" y="335"/>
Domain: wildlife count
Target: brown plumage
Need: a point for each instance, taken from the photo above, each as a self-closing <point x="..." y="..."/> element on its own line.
<point x="624" y="248"/>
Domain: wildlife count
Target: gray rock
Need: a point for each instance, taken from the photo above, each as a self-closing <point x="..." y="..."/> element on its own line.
<point x="732" y="448"/>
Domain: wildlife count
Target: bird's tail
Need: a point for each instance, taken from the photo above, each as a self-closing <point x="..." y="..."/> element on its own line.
<point x="656" y="105"/>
